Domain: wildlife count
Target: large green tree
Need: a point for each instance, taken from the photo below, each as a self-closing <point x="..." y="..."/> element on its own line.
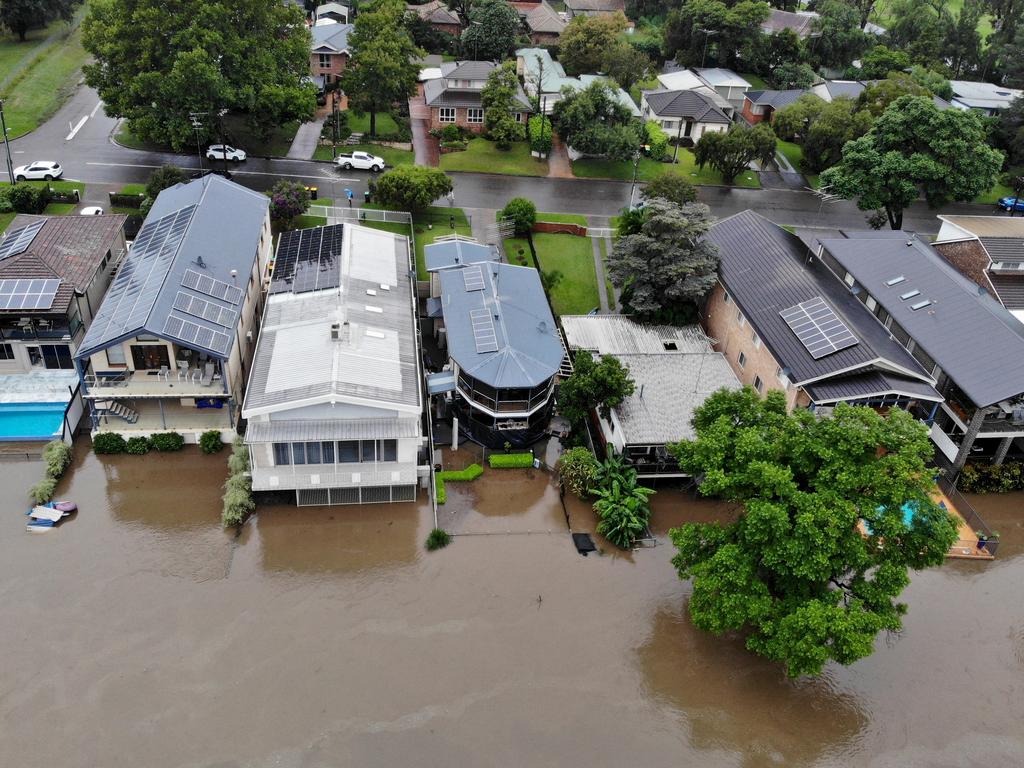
<point x="412" y="187"/>
<point x="594" y="384"/>
<point x="493" y="31"/>
<point x="727" y="31"/>
<point x="667" y="268"/>
<point x="813" y="568"/>
<point x="915" y="148"/>
<point x="155" y="63"/>
<point x="19" y="16"/>
<point x="731" y="152"/>
<point x="594" y="122"/>
<point x="839" y="37"/>
<point x="840" y="121"/>
<point x="382" y="68"/>
<point x="499" y="102"/>
<point x="584" y="44"/>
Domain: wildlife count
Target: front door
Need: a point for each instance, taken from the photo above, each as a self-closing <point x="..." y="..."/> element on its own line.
<point x="150" y="356"/>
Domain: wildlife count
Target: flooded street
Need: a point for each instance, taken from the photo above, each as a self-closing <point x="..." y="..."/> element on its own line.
<point x="141" y="634"/>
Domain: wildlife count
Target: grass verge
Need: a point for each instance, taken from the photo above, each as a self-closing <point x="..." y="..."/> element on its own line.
<point x="574" y="292"/>
<point x="33" y="95"/>
<point x="392" y="156"/>
<point x="483" y="156"/>
<point x="609" y="288"/>
<point x="361" y="123"/>
<point x="6" y="219"/>
<point x="622" y="170"/>
<point x="563" y="218"/>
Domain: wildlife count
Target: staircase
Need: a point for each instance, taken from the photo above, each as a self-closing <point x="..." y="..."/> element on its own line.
<point x="123" y="412"/>
<point x="355" y="138"/>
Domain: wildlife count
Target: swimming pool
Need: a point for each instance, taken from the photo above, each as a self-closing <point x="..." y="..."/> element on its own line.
<point x="909" y="509"/>
<point x="31" y="421"/>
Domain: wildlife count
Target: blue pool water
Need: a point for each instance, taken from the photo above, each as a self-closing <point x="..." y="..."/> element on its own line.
<point x="31" y="421"/>
<point x="908" y="510"/>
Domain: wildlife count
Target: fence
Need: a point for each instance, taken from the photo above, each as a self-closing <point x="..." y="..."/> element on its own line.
<point x="356" y="215"/>
<point x="72" y="415"/>
<point x="969" y="514"/>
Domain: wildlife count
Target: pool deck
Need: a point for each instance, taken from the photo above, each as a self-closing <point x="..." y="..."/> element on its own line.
<point x="38" y="386"/>
<point x="966" y="546"/>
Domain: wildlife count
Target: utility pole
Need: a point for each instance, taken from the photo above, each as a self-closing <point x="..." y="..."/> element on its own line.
<point x="197" y="123"/>
<point x="223" y="146"/>
<point x="334" y="132"/>
<point x="7" y="144"/>
<point x="707" y="34"/>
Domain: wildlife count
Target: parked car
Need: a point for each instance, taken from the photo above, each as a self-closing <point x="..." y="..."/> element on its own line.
<point x="219" y="151"/>
<point x="40" y="169"/>
<point x="362" y="160"/>
<point x="1011" y="204"/>
<point x="91" y="210"/>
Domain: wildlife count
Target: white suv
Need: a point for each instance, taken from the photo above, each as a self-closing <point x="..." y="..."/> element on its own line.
<point x="218" y="151"/>
<point x="40" y="169"/>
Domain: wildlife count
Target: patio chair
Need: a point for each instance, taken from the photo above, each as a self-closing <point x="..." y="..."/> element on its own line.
<point x="164" y="373"/>
<point x="182" y="369"/>
<point x="207" y="379"/>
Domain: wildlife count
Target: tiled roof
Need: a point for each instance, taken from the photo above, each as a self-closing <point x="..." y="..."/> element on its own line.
<point x="1009" y="288"/>
<point x="775" y="99"/>
<point x="801" y="23"/>
<point x="688" y="104"/>
<point x="435" y="12"/>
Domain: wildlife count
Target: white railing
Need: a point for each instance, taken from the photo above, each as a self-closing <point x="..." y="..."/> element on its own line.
<point x="338" y="215"/>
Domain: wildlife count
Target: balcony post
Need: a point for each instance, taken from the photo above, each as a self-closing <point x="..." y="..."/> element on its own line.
<point x="1002" y="450"/>
<point x="968" y="440"/>
<point x="163" y="421"/>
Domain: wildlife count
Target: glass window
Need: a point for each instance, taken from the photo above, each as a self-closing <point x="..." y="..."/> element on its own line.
<point x="312" y="453"/>
<point x="369" y="450"/>
<point x="849" y="279"/>
<point x="871" y="303"/>
<point x="299" y="453"/>
<point x="446" y="114"/>
<point x="388" y="450"/>
<point x="756" y="339"/>
<point x="6" y="352"/>
<point x="327" y="451"/>
<point x="725" y="297"/>
<point x="116" y="356"/>
<point x="348" y="451"/>
<point x="740" y="318"/>
<point x="519" y="117"/>
<point x="325" y="61"/>
<point x="474" y="115"/>
<point x="742" y="359"/>
<point x="57" y="356"/>
<point x="282" y="454"/>
<point x="758" y="384"/>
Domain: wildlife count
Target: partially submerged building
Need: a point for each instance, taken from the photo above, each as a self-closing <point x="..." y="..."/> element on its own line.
<point x="170" y="346"/>
<point x="334" y="401"/>
<point x="674" y="370"/>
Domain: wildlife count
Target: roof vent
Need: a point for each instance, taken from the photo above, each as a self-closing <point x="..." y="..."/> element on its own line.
<point x="921" y="305"/>
<point x="895" y="280"/>
<point x="910" y="243"/>
<point x="542" y="326"/>
<point x="909" y="294"/>
<point x="199" y="262"/>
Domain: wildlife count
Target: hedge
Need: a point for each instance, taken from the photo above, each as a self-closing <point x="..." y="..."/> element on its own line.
<point x="108" y="442"/>
<point x="210" y="442"/>
<point x="510" y="460"/>
<point x="137" y="446"/>
<point x="991" y="478"/>
<point x="238" y="500"/>
<point x="167" y="441"/>
<point x="472" y="472"/>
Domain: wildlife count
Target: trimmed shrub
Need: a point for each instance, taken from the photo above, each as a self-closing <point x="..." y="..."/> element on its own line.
<point x="108" y="442"/>
<point x="578" y="469"/>
<point x="438" y="538"/>
<point x="522" y="212"/>
<point x="57" y="455"/>
<point x="238" y="461"/>
<point x="137" y="446"/>
<point x="210" y="442"/>
<point x="657" y="141"/>
<point x="451" y="133"/>
<point x="42" y="492"/>
<point x="472" y="472"/>
<point x="538" y="131"/>
<point x="26" y="198"/>
<point x="167" y="441"/>
<point x="510" y="460"/>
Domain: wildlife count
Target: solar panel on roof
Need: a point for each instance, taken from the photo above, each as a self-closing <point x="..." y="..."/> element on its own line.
<point x="483" y="330"/>
<point x="474" y="278"/>
<point x="308" y="260"/>
<point x="207" y="310"/>
<point x="196" y="335"/>
<point x="28" y="293"/>
<point x="18" y="240"/>
<point x="818" y="327"/>
<point x="212" y="287"/>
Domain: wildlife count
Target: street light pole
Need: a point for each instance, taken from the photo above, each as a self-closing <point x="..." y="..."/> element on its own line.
<point x="197" y="123"/>
<point x="632" y="188"/>
<point x="223" y="146"/>
<point x="7" y="144"/>
<point x="707" y="34"/>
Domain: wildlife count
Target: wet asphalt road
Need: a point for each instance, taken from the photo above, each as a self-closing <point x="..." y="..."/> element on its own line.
<point x="89" y="154"/>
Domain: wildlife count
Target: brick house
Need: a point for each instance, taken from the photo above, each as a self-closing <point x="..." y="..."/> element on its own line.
<point x="455" y="97"/>
<point x="329" y="53"/>
<point x="438" y="15"/>
<point x="543" y="23"/>
<point x="594" y="7"/>
<point x="760" y="106"/>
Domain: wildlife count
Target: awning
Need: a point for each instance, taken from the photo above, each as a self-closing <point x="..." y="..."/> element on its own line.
<point x="439" y="383"/>
<point x="295" y="431"/>
<point x="434" y="307"/>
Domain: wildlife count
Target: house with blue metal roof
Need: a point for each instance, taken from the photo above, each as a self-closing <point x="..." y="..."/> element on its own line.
<point x="504" y="350"/>
<point x="169" y="347"/>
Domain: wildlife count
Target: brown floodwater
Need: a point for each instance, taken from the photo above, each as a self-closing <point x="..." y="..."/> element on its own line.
<point x="141" y="634"/>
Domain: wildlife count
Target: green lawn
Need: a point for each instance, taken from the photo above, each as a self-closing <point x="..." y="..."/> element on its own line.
<point x="756" y="83"/>
<point x="563" y="218"/>
<point x="607" y="280"/>
<point x="993" y="195"/>
<point x="483" y="156"/>
<point x="16" y="55"/>
<point x="126" y="138"/>
<point x="306" y="220"/>
<point x="237" y="134"/>
<point x="132" y="189"/>
<point x="5" y="219"/>
<point x="361" y="123"/>
<point x="791" y="151"/>
<point x="59" y="209"/>
<point x="33" y="95"/>
<point x="391" y="155"/>
<point x="575" y="292"/>
<point x="649" y="169"/>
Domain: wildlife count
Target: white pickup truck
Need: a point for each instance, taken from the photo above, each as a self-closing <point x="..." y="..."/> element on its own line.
<point x="364" y="161"/>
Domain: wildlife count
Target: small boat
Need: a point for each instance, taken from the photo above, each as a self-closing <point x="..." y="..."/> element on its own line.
<point x="43" y="517"/>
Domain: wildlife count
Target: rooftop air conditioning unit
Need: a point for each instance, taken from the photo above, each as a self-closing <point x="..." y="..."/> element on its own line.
<point x="335" y="331"/>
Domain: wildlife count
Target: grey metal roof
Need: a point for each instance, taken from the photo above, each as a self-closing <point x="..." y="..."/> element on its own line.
<point x="596" y="6"/>
<point x="467" y="69"/>
<point x="438" y="92"/>
<point x="689" y="104"/>
<point x="872" y="384"/>
<point x="181" y="263"/>
<point x="297" y="362"/>
<point x="456" y="252"/>
<point x="301" y="430"/>
<point x="801" y="23"/>
<point x="766" y="270"/>
<point x="849" y="88"/>
<point x="1010" y="289"/>
<point x="333" y="36"/>
<point x="616" y="334"/>
<point x="774" y="99"/>
<point x="972" y="338"/>
<point x="669" y="387"/>
<point x="981" y="95"/>
<point x="720" y="77"/>
<point x="529" y="351"/>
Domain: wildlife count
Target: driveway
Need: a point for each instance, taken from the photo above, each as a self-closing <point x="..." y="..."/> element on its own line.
<point x="424" y="145"/>
<point x="559" y="165"/>
<point x="781" y="180"/>
<point x="305" y="141"/>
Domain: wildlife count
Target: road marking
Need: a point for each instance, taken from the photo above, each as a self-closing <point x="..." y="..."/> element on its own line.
<point x="76" y="129"/>
<point x="233" y="173"/>
<point x="98" y="105"/>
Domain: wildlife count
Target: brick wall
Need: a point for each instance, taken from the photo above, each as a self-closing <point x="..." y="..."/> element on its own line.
<point x="461" y="120"/>
<point x="331" y="73"/>
<point x="750" y="117"/>
<point x="560" y="228"/>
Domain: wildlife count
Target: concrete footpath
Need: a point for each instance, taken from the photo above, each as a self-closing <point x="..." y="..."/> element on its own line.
<point x="305" y="141"/>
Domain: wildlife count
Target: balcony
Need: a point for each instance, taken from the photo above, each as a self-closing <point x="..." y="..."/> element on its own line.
<point x="184" y="383"/>
<point x="35" y="329"/>
<point x="503" y="401"/>
<point x="149" y="416"/>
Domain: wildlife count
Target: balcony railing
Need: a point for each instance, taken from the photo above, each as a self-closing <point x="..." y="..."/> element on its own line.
<point x="39" y="330"/>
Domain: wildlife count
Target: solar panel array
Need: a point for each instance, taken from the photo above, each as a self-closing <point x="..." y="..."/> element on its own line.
<point x="207" y="310"/>
<point x="212" y="287"/>
<point x="818" y="327"/>
<point x="483" y="330"/>
<point x="27" y="294"/>
<point x="474" y="277"/>
<point x="134" y="291"/>
<point x="308" y="260"/>
<point x="18" y="240"/>
<point x="196" y="335"/>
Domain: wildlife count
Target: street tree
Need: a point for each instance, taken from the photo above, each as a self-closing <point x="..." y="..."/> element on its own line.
<point x="594" y="384"/>
<point x="670" y="186"/>
<point x="667" y="268"/>
<point x="499" y="101"/>
<point x="732" y="151"/>
<point x="19" y="16"/>
<point x="493" y="32"/>
<point x="586" y="41"/>
<point x="594" y="122"/>
<point x="840" y="121"/>
<point x="412" y="187"/>
<point x="880" y="61"/>
<point x="792" y="121"/>
<point x="156" y="64"/>
<point x="382" y="67"/>
<point x="915" y="148"/>
<point x="840" y="39"/>
<point x="812" y="569"/>
<point x="288" y="200"/>
<point x="792" y="74"/>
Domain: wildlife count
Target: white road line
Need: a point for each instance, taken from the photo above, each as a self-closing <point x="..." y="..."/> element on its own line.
<point x="239" y="173"/>
<point x="98" y="105"/>
<point x="77" y="128"/>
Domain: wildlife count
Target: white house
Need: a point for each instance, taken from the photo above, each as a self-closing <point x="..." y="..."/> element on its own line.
<point x="986" y="98"/>
<point x="683" y="114"/>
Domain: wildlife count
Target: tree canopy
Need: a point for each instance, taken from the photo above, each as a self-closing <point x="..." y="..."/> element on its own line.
<point x="584" y="45"/>
<point x="812" y="570"/>
<point x="602" y="384"/>
<point x="412" y="187"/>
<point x="20" y="16"/>
<point x="592" y="121"/>
<point x="381" y="69"/>
<point x="493" y="31"/>
<point x="156" y="62"/>
<point x="840" y="39"/>
<point x="667" y="268"/>
<point x="731" y="152"/>
<point x="670" y="186"/>
<point x="725" y="30"/>
<point x="916" y="148"/>
<point x="499" y="99"/>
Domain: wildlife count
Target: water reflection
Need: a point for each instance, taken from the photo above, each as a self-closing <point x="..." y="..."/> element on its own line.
<point x="733" y="700"/>
<point x="504" y="500"/>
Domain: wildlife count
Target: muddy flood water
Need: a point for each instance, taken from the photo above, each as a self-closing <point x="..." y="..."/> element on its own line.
<point x="141" y="634"/>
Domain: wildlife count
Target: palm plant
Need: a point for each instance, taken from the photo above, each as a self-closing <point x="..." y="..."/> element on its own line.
<point x="621" y="504"/>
